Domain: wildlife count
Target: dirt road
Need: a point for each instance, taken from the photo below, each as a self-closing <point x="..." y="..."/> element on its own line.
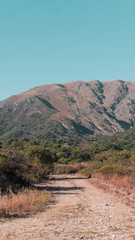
<point x="81" y="211"/>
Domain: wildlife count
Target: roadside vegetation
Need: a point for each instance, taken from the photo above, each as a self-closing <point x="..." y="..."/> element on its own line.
<point x="19" y="171"/>
<point x="24" y="162"/>
<point x="23" y="203"/>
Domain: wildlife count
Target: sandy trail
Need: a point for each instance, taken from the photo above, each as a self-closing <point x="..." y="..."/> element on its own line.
<point x="81" y="211"/>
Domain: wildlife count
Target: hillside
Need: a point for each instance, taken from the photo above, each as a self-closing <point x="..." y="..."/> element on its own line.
<point x="72" y="109"/>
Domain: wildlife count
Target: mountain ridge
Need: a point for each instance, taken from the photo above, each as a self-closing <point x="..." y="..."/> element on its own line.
<point x="72" y="109"/>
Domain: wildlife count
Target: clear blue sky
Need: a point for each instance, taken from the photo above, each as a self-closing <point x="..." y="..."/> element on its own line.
<point x="56" y="41"/>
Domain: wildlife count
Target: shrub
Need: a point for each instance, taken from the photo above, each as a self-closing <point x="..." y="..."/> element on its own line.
<point x="90" y="167"/>
<point x="68" y="168"/>
<point x="40" y="162"/>
<point x="13" y="171"/>
<point x="106" y="169"/>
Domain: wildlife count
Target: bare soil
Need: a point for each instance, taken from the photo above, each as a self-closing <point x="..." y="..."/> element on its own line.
<point x="81" y="211"/>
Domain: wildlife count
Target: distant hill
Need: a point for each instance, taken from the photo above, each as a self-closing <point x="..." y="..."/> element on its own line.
<point x="72" y="109"/>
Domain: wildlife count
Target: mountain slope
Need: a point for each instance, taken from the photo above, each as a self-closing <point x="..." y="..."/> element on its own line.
<point x="75" y="108"/>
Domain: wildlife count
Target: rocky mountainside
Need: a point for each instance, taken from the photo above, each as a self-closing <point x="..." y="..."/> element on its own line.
<point x="72" y="109"/>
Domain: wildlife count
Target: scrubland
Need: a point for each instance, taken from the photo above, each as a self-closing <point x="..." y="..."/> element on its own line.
<point x="25" y="162"/>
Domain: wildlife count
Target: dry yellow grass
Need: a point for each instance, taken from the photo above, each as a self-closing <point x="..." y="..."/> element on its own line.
<point x="28" y="201"/>
<point x="126" y="181"/>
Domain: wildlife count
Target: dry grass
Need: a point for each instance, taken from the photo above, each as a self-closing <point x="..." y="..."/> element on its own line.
<point x="126" y="181"/>
<point x="68" y="168"/>
<point x="28" y="201"/>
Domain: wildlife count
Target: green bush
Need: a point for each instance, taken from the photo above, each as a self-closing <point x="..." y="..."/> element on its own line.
<point x="107" y="169"/>
<point x="90" y="167"/>
<point x="40" y="162"/>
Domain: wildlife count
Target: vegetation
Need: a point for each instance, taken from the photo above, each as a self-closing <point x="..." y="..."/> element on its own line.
<point x="28" y="201"/>
<point x="117" y="150"/>
<point x="19" y="169"/>
<point x="26" y="161"/>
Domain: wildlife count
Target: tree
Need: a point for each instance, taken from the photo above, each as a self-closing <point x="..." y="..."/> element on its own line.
<point x="40" y="161"/>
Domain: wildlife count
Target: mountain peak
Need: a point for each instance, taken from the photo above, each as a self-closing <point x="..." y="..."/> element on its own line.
<point x="72" y="109"/>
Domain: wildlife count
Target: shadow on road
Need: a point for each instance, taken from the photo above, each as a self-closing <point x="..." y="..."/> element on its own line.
<point x="65" y="193"/>
<point x="63" y="179"/>
<point x="53" y="189"/>
<point x="60" y="189"/>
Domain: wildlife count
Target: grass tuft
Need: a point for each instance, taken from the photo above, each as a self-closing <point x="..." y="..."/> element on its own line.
<point x="23" y="203"/>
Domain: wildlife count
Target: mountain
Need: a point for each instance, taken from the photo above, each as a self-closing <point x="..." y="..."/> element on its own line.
<point x="72" y="109"/>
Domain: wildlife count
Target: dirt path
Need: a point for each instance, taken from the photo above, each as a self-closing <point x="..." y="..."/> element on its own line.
<point x="81" y="211"/>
